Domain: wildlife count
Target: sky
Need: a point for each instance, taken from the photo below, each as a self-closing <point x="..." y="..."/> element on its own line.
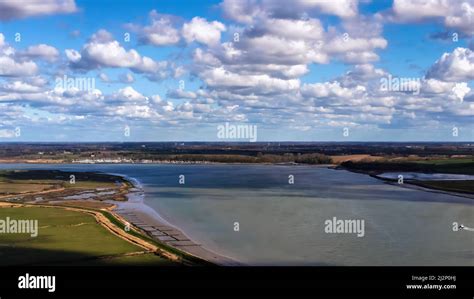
<point x="315" y="70"/>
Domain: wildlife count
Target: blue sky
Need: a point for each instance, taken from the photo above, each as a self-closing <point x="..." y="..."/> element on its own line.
<point x="306" y="72"/>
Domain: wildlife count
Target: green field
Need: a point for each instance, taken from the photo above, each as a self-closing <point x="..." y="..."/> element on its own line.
<point x="66" y="238"/>
<point x="25" y="185"/>
<point x="7" y="188"/>
<point x="71" y="237"/>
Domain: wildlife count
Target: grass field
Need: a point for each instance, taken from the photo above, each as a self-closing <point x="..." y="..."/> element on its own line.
<point x="31" y="185"/>
<point x="18" y="188"/>
<point x="68" y="236"/>
<point x="90" y="185"/>
<point x="88" y="180"/>
<point x="65" y="238"/>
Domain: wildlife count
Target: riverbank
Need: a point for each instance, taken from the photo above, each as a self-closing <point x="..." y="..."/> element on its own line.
<point x="422" y="174"/>
<point x="421" y="187"/>
<point x="61" y="234"/>
<point x="96" y="194"/>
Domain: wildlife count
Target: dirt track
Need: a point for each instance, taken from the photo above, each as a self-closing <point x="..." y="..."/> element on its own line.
<point x="33" y="193"/>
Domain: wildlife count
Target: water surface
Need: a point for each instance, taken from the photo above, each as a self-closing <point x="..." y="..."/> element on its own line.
<point x="283" y="224"/>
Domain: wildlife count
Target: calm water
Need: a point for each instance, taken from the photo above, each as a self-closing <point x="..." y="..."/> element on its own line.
<point x="282" y="224"/>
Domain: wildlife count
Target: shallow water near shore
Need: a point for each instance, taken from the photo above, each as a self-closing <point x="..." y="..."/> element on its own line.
<point x="284" y="224"/>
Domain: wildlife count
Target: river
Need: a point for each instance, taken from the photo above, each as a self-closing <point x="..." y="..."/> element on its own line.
<point x="284" y="224"/>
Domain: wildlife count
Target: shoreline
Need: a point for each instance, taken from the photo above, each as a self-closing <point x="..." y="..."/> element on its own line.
<point x="407" y="184"/>
<point x="412" y="186"/>
<point x="147" y="219"/>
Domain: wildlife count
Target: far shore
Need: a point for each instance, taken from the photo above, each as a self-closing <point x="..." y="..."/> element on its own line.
<point x="375" y="171"/>
<point x="39" y="161"/>
<point x="417" y="187"/>
<point x="337" y="166"/>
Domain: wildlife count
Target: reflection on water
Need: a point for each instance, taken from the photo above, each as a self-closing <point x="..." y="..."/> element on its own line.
<point x="283" y="224"/>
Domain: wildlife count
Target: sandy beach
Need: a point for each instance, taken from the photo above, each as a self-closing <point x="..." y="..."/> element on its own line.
<point x="136" y="212"/>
